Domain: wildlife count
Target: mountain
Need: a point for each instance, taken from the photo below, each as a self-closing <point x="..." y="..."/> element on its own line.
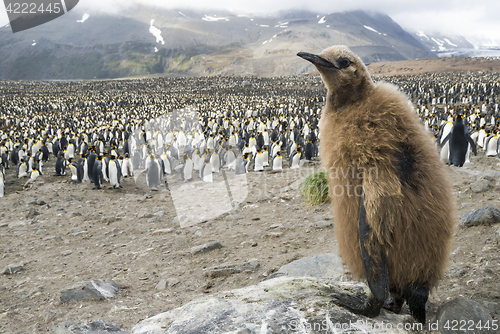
<point x="438" y="42"/>
<point x="151" y="41"/>
<point x="455" y="45"/>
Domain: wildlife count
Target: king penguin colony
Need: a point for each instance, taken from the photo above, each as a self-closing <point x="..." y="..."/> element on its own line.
<point x="232" y="117"/>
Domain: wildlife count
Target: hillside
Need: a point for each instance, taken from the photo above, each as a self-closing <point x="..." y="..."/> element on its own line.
<point x="434" y="65"/>
<point x="147" y="40"/>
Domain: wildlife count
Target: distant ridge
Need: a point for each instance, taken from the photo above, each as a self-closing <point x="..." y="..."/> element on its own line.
<point x="146" y="40"/>
<point x="435" y="65"/>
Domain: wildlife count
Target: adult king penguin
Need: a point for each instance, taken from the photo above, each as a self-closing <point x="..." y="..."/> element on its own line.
<point x="22" y="169"/>
<point x="81" y="167"/>
<point x="60" y="164"/>
<point x="206" y="172"/>
<point x="459" y="141"/>
<point x="240" y="166"/>
<point x="394" y="213"/>
<point x="187" y="168"/>
<point x="277" y="161"/>
<point x="295" y="159"/>
<point x="153" y="172"/>
<point x="491" y="145"/>
<point x="97" y="176"/>
<point x="259" y="161"/>
<point x="127" y="168"/>
<point x="114" y="172"/>
<point x="90" y="164"/>
<point x="2" y="180"/>
<point x="74" y="169"/>
<point x="215" y="162"/>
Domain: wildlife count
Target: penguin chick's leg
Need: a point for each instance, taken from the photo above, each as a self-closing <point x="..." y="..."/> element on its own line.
<point x="377" y="275"/>
<point x="394" y="304"/>
<point x="416" y="297"/>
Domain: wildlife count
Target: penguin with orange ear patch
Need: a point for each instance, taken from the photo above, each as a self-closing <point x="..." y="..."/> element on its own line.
<point x="394" y="213"/>
<point x="459" y="141"/>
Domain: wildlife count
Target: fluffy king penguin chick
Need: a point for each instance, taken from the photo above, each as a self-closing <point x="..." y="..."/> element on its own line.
<point x="394" y="213"/>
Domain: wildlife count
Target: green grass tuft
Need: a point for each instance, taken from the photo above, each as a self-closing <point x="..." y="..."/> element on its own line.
<point x="315" y="188"/>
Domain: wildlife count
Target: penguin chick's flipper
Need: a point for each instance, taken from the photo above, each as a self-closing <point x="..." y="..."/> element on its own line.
<point x="377" y="275"/>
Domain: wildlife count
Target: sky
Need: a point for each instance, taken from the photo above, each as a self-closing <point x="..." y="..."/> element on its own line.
<point x="479" y="18"/>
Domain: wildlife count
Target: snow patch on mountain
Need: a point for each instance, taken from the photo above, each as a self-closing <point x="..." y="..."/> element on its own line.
<point x="371" y="29"/>
<point x="214" y="19"/>
<point x="156" y="32"/>
<point x="422" y="34"/>
<point x="450" y="43"/>
<point x="439" y="43"/>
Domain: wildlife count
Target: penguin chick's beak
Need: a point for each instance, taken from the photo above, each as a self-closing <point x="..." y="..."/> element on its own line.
<point x="316" y="60"/>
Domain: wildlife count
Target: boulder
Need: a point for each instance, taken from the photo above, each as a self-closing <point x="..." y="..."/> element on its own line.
<point x="96" y="289"/>
<point x="480" y="186"/>
<point x="96" y="327"/>
<point x="487" y="215"/>
<point x="279" y="305"/>
<point x="457" y="316"/>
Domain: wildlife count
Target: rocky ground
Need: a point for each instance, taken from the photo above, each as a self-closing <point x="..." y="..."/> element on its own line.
<point x="58" y="233"/>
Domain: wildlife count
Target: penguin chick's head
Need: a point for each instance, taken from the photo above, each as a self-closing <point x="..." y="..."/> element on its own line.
<point x="344" y="74"/>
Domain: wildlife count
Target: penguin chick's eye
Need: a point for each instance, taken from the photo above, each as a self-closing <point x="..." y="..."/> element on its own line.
<point x="344" y="63"/>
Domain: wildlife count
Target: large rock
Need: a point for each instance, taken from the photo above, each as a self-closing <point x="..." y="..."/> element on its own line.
<point x="319" y="265"/>
<point x="12" y="269"/>
<point x="487" y="215"/>
<point x="280" y="305"/>
<point x="96" y="327"/>
<point x="35" y="201"/>
<point x="32" y="213"/>
<point x="96" y="289"/>
<point x="480" y="186"/>
<point x="457" y="316"/>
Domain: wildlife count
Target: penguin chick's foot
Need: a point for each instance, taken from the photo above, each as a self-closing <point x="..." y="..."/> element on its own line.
<point x="359" y="304"/>
<point x="394" y="304"/>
